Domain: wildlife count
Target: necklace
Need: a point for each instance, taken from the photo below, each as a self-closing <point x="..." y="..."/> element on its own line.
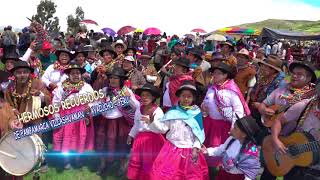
<point x="298" y="94"/>
<point x="59" y="67"/>
<point x="70" y="88"/>
<point x="17" y="96"/>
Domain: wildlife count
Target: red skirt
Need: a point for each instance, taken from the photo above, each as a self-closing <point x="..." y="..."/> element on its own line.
<point x="5" y="176"/>
<point x="175" y="163"/>
<point x="111" y="137"/>
<point x="223" y="175"/>
<point x="146" y="147"/>
<point x="216" y="132"/>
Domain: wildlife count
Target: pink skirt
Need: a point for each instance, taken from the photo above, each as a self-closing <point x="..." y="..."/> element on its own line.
<point x="146" y="147"/>
<point x="76" y="136"/>
<point x="175" y="163"/>
<point x="216" y="132"/>
<point x="223" y="175"/>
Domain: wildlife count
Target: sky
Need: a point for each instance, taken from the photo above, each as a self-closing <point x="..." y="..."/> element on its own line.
<point x="171" y="16"/>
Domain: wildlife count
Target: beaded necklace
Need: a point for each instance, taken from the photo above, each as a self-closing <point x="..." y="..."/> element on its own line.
<point x="59" y="67"/>
<point x="17" y="96"/>
<point x="70" y="88"/>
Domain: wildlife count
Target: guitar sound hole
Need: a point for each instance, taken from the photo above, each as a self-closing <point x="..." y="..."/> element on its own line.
<point x="293" y="150"/>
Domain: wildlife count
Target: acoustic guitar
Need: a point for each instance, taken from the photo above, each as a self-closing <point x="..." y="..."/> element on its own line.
<point x="303" y="150"/>
<point x="268" y="121"/>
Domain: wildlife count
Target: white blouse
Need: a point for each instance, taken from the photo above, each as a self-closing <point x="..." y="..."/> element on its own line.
<point x="231" y="105"/>
<point x="166" y="97"/>
<point x="179" y="133"/>
<point x="141" y="126"/>
<point x="58" y="93"/>
<point x="232" y="152"/>
<point x="53" y="76"/>
<point x="115" y="113"/>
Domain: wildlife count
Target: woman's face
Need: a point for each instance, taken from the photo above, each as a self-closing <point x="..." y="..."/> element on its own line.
<point x="64" y="58"/>
<point x="130" y="53"/>
<point x="107" y="57"/>
<point x="186" y="98"/>
<point x="75" y="75"/>
<point x="114" y="81"/>
<point x="218" y="76"/>
<point x="9" y="64"/>
<point x="80" y="58"/>
<point x="146" y="98"/>
<point x="119" y="49"/>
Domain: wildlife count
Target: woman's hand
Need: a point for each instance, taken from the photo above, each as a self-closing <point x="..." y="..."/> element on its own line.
<point x="15" y="124"/>
<point x="129" y="140"/>
<point x="195" y="154"/>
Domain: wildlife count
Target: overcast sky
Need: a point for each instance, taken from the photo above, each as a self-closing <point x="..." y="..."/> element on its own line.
<point x="171" y="16"/>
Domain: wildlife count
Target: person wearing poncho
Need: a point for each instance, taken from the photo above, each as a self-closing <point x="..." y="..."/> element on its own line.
<point x="179" y="157"/>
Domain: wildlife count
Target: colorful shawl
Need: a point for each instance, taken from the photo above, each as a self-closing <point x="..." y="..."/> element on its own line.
<point x="192" y="117"/>
<point x="175" y="83"/>
<point x="232" y="86"/>
<point x="247" y="161"/>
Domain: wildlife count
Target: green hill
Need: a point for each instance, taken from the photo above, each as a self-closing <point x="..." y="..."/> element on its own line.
<point x="293" y="25"/>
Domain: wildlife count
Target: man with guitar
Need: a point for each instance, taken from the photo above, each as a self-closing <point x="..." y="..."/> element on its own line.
<point x="300" y="87"/>
<point x="303" y="118"/>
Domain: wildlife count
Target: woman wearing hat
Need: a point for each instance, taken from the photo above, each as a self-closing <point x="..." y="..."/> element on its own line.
<point x="245" y="77"/>
<point x="149" y="71"/>
<point x="135" y="77"/>
<point x="80" y="58"/>
<point x="227" y="49"/>
<point x="8" y="60"/>
<point x="240" y="154"/>
<point x="115" y="124"/>
<point x="98" y="76"/>
<point x="130" y="51"/>
<point x="180" y="74"/>
<point x="180" y="156"/>
<point x="222" y="101"/>
<point x="77" y="136"/>
<point x="146" y="144"/>
<point x="54" y="75"/>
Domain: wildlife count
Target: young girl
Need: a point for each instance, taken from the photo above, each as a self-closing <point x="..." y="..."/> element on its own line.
<point x="179" y="157"/>
<point x="239" y="153"/>
<point x="147" y="144"/>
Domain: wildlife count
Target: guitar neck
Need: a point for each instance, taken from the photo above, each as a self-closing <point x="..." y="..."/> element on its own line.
<point x="307" y="147"/>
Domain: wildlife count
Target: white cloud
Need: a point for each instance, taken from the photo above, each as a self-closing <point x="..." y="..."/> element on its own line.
<point x="172" y="16"/>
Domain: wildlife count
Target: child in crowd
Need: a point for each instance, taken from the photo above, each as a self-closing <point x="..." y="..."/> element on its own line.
<point x="239" y="153"/>
<point x="180" y="156"/>
<point x="147" y="144"/>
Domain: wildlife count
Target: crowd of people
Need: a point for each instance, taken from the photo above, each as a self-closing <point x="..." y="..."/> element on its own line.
<point x="197" y="109"/>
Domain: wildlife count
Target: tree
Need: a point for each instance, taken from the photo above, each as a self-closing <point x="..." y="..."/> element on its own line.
<point x="45" y="12"/>
<point x="74" y="22"/>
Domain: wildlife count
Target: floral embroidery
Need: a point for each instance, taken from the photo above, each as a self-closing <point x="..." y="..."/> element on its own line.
<point x="59" y="67"/>
<point x="70" y="88"/>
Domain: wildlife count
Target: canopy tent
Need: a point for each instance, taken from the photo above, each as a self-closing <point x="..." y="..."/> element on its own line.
<point x="237" y="30"/>
<point x="268" y="33"/>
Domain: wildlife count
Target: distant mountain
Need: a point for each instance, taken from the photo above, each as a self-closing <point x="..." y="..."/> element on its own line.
<point x="293" y="25"/>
